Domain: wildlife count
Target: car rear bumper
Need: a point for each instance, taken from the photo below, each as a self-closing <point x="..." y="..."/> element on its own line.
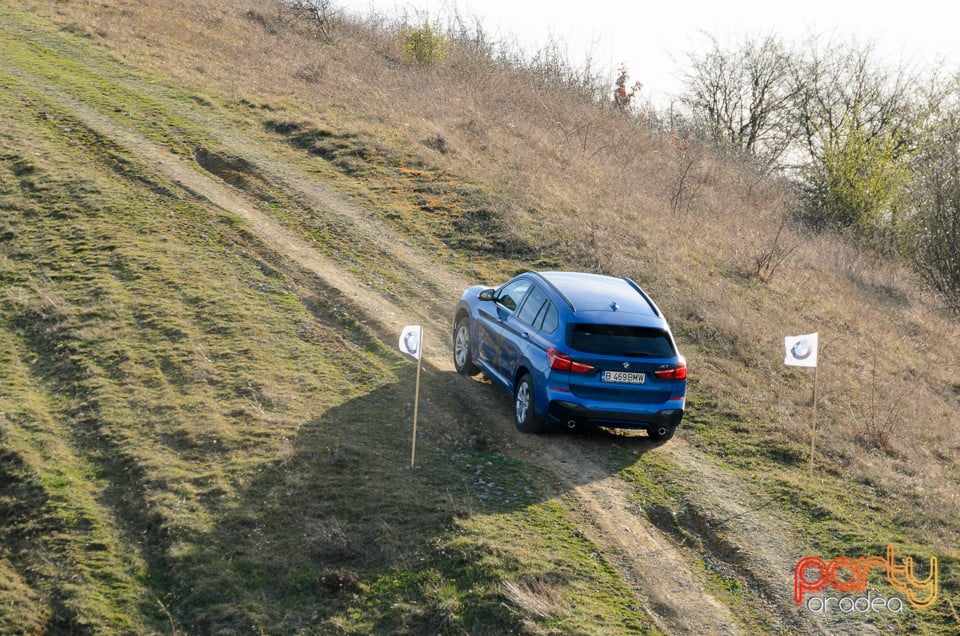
<point x="580" y="415"/>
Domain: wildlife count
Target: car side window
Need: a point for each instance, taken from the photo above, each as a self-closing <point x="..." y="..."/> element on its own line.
<point x="512" y="294"/>
<point x="548" y="320"/>
<point x="532" y="306"/>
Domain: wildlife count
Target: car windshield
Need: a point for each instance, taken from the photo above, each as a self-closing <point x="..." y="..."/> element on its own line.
<point x="627" y="341"/>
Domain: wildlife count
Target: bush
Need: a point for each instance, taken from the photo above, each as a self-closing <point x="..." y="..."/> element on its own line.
<point x="934" y="230"/>
<point x="425" y="45"/>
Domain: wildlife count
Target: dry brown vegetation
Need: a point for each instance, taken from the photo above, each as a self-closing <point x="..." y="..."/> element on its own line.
<point x="597" y="187"/>
<point x="574" y="183"/>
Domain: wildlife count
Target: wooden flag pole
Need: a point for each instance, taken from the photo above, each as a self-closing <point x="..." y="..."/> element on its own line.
<point x="416" y="404"/>
<point x="813" y="429"/>
<point x="801" y="352"/>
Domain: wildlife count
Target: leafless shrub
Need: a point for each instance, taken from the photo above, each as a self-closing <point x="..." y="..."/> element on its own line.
<point x="934" y="229"/>
<point x="551" y="67"/>
<point x="582" y="134"/>
<point x="316" y="15"/>
<point x="742" y="97"/>
<point x="773" y="255"/>
<point x="880" y="412"/>
<point x="684" y="187"/>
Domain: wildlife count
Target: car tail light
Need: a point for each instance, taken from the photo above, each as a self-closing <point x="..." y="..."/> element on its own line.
<point x="678" y="372"/>
<point x="562" y="362"/>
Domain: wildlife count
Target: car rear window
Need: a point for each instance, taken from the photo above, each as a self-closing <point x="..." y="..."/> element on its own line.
<point x="613" y="340"/>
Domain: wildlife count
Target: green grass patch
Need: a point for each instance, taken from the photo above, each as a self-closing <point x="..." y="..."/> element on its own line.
<point x="196" y="436"/>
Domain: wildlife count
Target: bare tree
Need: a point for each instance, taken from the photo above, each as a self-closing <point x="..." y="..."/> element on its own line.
<point x="841" y="88"/>
<point x="743" y="97"/>
<point x="933" y="237"/>
<point x="858" y="121"/>
<point x="318" y="16"/>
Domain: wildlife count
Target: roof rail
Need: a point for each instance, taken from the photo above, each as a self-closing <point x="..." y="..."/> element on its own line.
<point x="554" y="288"/>
<point x="653" y="305"/>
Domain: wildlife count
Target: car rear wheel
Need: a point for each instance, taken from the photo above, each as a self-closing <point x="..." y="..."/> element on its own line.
<point x="462" y="357"/>
<point x="525" y="412"/>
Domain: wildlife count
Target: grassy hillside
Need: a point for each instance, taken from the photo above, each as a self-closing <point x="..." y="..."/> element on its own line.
<point x="212" y="226"/>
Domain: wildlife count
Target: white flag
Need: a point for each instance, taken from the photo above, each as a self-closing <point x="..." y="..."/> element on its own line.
<point x="801" y="350"/>
<point x="410" y="340"/>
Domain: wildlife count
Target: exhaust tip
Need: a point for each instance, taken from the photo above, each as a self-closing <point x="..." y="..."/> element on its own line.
<point x="571" y="424"/>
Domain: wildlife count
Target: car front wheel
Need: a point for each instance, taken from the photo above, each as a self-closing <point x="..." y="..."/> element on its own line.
<point x="525" y="412"/>
<point x="462" y="358"/>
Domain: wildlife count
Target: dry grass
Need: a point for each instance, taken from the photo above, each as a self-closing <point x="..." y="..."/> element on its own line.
<point x="602" y="191"/>
<point x="611" y="195"/>
<point x="537" y="597"/>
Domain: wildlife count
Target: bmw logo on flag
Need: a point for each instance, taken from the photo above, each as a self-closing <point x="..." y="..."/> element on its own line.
<point x="410" y="340"/>
<point x="801" y="350"/>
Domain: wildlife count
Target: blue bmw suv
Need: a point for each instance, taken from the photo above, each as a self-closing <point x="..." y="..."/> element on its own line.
<point x="573" y="348"/>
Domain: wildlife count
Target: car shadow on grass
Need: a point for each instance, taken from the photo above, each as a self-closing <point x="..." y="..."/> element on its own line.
<point x="341" y="535"/>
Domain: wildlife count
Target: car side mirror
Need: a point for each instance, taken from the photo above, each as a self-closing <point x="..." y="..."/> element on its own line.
<point x="488" y="294"/>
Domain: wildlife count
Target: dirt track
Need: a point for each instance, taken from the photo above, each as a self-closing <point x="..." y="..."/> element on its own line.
<point x="666" y="576"/>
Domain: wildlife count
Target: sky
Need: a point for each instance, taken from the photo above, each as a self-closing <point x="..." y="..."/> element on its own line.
<point x="653" y="38"/>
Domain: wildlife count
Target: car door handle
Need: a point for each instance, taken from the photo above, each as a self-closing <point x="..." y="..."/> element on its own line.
<point x="525" y="335"/>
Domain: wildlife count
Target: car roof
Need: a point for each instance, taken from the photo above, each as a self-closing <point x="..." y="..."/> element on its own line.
<point x="599" y="294"/>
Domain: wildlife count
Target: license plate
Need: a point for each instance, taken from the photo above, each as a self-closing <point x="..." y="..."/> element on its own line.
<point x="624" y="377"/>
